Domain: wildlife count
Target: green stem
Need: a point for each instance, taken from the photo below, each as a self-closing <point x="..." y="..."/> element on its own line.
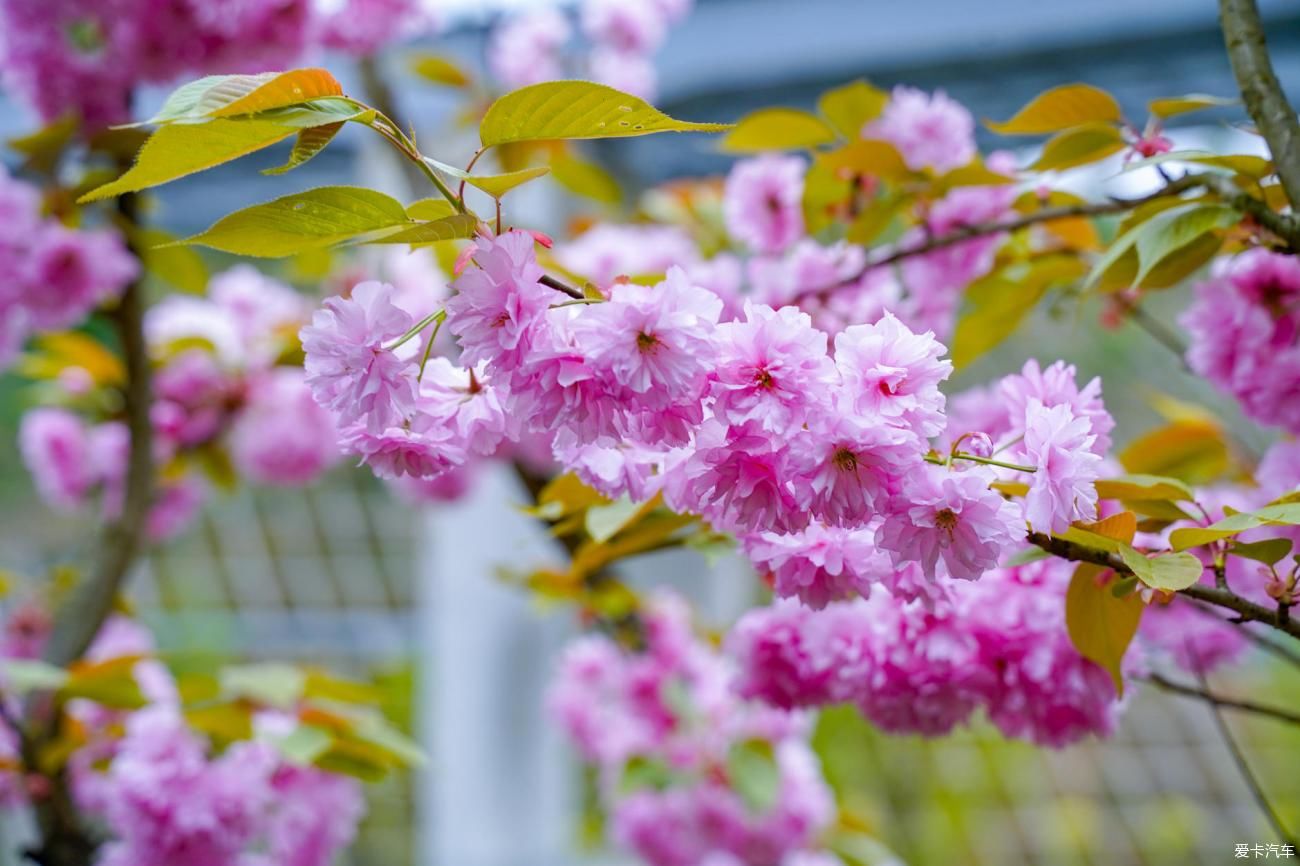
<point x="440" y="317"/>
<point x="987" y="461"/>
<point x="419" y="326"/>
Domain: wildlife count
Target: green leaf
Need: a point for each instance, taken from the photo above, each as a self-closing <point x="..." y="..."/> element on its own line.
<point x="110" y="683"/>
<point x="304" y="745"/>
<point x="851" y="107"/>
<point x="1144" y="487"/>
<point x="777" y="129"/>
<point x="1000" y="302"/>
<point x="1285" y="514"/>
<point x="1191" y="449"/>
<point x="175" y="151"/>
<point x="21" y="676"/>
<point x="576" y="109"/>
<point x="310" y="142"/>
<point x="495" y="185"/>
<point x="585" y="178"/>
<point x="1101" y="625"/>
<point x="177" y="266"/>
<point x="306" y="220"/>
<point x="1171" y="106"/>
<point x="1061" y="108"/>
<point x="753" y="773"/>
<point x="439" y="70"/>
<point x="270" y="684"/>
<point x="1270" y="551"/>
<point x="446" y="229"/>
<point x="1079" y="146"/>
<point x="603" y="522"/>
<point x="1173" y="231"/>
<point x="643" y="771"/>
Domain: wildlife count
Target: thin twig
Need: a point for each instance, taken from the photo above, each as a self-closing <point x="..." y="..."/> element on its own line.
<point x="1222" y="701"/>
<point x="559" y="286"/>
<point x="1266" y="102"/>
<point x="1243" y="766"/>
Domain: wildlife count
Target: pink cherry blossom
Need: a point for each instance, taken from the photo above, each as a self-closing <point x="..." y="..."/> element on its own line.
<point x="350" y="367"/>
<point x="467" y="401"/>
<point x="820" y="564"/>
<point x="852" y="466"/>
<point x="772" y="368"/>
<point x="1057" y="443"/>
<point x="1054" y="386"/>
<point x="891" y="372"/>
<point x="951" y="517"/>
<point x="499" y="305"/>
<point x="637" y="26"/>
<point x="763" y="202"/>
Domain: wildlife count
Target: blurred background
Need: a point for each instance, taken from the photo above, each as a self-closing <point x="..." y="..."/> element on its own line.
<point x="346" y="575"/>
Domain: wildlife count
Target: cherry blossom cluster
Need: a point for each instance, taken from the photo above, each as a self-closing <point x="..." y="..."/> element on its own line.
<point x="161" y="791"/>
<point x="998" y="644"/>
<point x="661" y="724"/>
<point x="622" y="37"/>
<point x="86" y="57"/>
<point x="53" y="276"/>
<point x="760" y="423"/>
<point x="1245" y="330"/>
<point x="221" y="386"/>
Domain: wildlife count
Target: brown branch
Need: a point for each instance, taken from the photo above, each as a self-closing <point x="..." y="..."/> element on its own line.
<point x="1243" y="34"/>
<point x="1221" y="701"/>
<point x="1247" y="610"/>
<point x="560" y="286"/>
<point x="64" y="840"/>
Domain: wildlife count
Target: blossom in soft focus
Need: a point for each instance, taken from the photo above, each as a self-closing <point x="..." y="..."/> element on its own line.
<point x="625" y="25"/>
<point x="628" y="71"/>
<point x="1061" y="490"/>
<point x="525" y="49"/>
<point x="55" y="449"/>
<point x="930" y="130"/>
<point x="763" y="202"/>
<point x="671" y="705"/>
<point x="1245" y="334"/>
<point x="951" y="517"/>
<point x="362" y="27"/>
<point x="350" y="367"/>
<point x="610" y="250"/>
<point x="282" y="436"/>
<point x="820" y="564"/>
<point x="69" y="273"/>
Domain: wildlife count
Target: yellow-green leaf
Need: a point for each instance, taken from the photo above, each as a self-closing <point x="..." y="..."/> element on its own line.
<point x="231" y="95"/>
<point x="585" y="178"/>
<point x="1170" y="571"/>
<point x="1000" y="302"/>
<point x="1285" y="514"/>
<point x="430" y="209"/>
<point x="495" y="185"/>
<point x="851" y="107"/>
<point x="1144" y="487"/>
<point x="1270" y="551"/>
<point x="439" y="70"/>
<point x="450" y="228"/>
<point x="777" y="129"/>
<point x="310" y="142"/>
<point x="556" y="110"/>
<point x="1190" y="450"/>
<point x="315" y="218"/>
<point x="175" y="265"/>
<point x="1079" y="146"/>
<point x="1245" y="164"/>
<point x="271" y="683"/>
<point x="177" y="150"/>
<point x="59" y="350"/>
<point x="1061" y="108"/>
<point x="1175" y="105"/>
<point x="1101" y="626"/>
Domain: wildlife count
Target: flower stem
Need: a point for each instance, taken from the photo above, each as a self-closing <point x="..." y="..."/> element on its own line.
<point x="419" y="326"/>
